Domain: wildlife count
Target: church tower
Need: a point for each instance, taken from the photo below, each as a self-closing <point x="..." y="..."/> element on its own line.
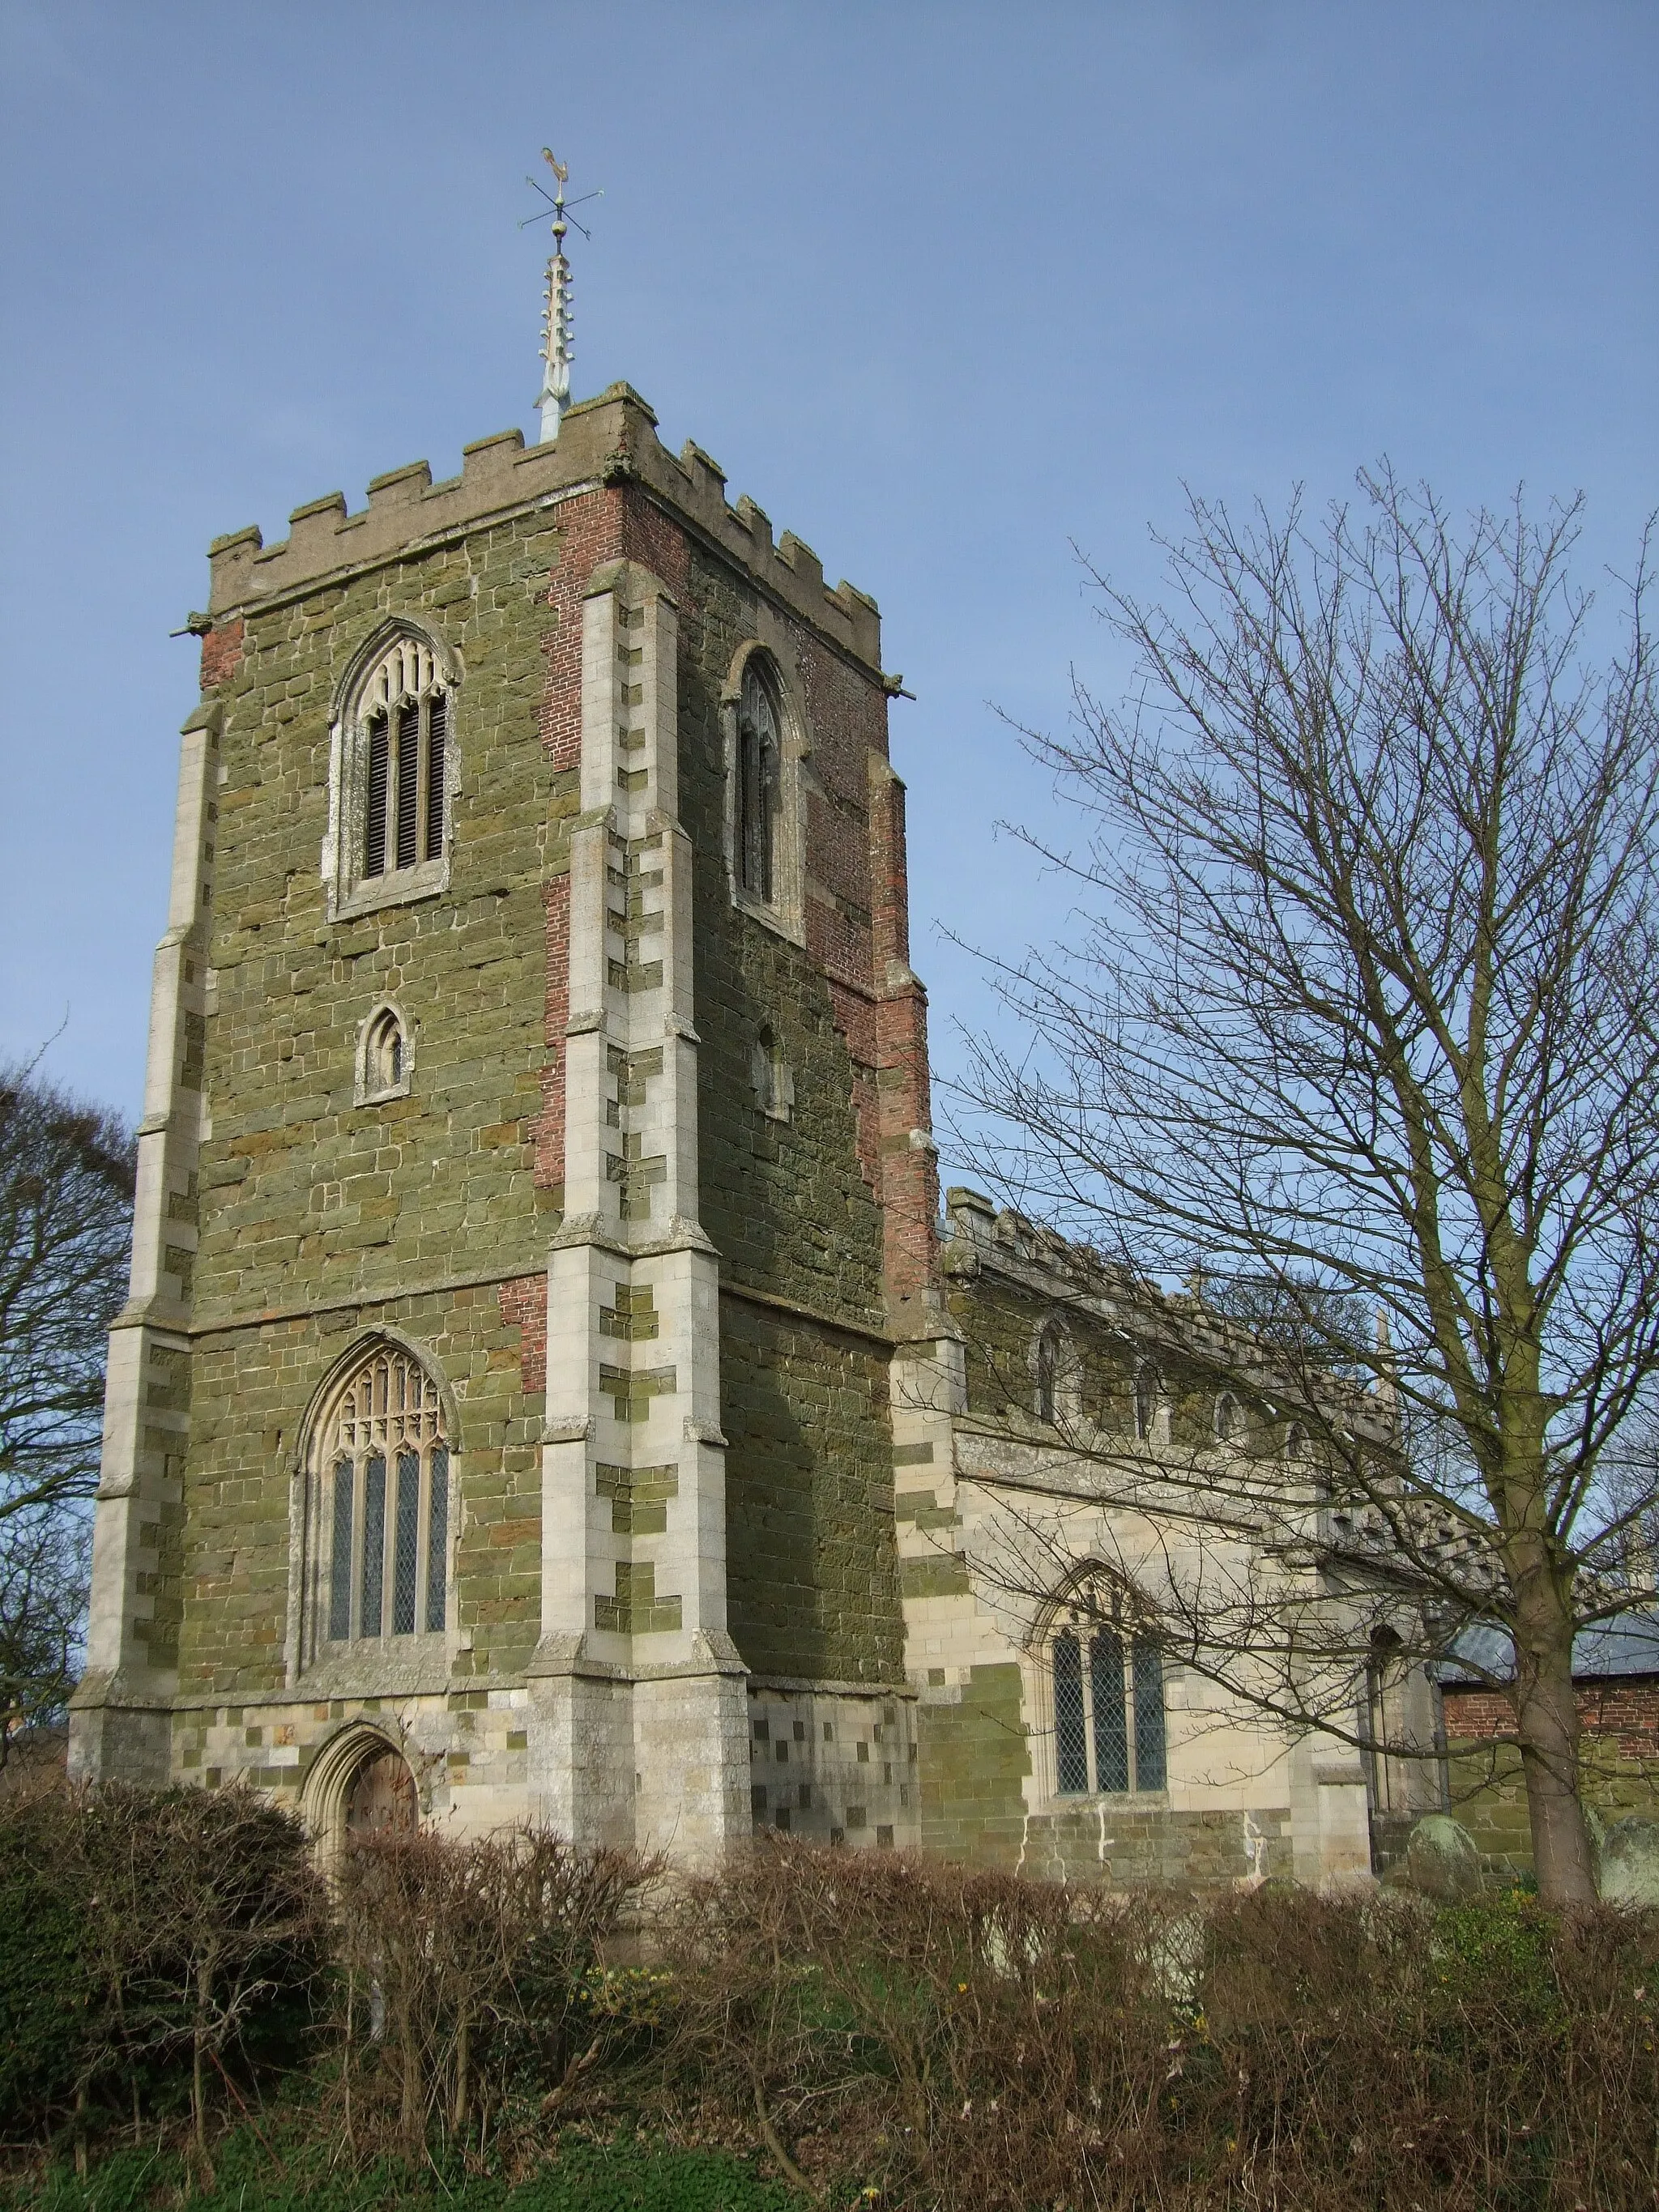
<point x="535" y="1190"/>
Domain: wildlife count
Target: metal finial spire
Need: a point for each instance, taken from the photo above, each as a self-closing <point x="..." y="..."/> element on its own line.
<point x="557" y="345"/>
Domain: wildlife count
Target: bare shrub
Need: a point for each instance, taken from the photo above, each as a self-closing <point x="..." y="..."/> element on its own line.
<point x="973" y="2041"/>
<point x="471" y="1970"/>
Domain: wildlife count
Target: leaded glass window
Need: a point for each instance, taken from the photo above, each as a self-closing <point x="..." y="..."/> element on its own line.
<point x="1071" y="1734"/>
<point x="1109" y="1729"/>
<point x="386" y="1533"/>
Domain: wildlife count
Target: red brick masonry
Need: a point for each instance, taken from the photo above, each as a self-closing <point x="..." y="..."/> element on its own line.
<point x="1627" y="1708"/>
<point x="525" y="1301"/>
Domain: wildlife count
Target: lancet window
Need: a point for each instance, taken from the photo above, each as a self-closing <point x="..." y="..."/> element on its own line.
<point x="758" y="773"/>
<point x="384" y="1467"/>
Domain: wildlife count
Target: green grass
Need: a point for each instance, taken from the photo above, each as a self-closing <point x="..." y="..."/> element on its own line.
<point x="625" y="2176"/>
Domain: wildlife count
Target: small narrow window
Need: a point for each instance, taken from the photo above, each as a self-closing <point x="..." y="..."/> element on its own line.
<point x="768" y="1074"/>
<point x="1227" y="1417"/>
<point x="1047" y="1361"/>
<point x="383" y="1057"/>
<point x="1147" y="1393"/>
<point x="758" y="778"/>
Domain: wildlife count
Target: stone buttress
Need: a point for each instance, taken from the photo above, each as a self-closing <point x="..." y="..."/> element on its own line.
<point x="639" y="1724"/>
<point x="121" y="1710"/>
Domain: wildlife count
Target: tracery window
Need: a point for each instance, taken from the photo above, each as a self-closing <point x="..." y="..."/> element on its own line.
<point x="385" y="1477"/>
<point x="1110" y="1727"/>
<point x="758" y="775"/>
<point x="392" y="802"/>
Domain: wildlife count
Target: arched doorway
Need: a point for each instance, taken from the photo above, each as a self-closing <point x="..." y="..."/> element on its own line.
<point x="380" y="1797"/>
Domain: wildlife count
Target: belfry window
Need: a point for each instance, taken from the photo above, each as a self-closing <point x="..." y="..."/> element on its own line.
<point x="384" y="1466"/>
<point x="757" y="769"/>
<point x="406" y="727"/>
<point x="392" y="800"/>
<point x="1108" y="1688"/>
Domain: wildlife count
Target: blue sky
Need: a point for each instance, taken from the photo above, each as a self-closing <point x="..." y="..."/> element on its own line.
<point x="945" y="289"/>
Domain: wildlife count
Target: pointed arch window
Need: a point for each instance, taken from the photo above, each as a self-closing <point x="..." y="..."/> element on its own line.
<point x="384" y="1057"/>
<point x="757" y="772"/>
<point x="1110" y="1733"/>
<point x="383" y="1463"/>
<point x="391" y="804"/>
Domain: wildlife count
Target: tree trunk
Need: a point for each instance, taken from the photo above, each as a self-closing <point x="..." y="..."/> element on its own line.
<point x="1547" y="1713"/>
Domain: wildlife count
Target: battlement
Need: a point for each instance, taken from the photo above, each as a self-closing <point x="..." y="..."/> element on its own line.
<point x="608" y="440"/>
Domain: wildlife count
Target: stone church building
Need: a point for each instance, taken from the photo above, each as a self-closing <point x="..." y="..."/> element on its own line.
<point x="549" y="1386"/>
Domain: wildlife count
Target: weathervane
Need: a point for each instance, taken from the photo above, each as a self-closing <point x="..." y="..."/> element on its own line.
<point x="557" y="322"/>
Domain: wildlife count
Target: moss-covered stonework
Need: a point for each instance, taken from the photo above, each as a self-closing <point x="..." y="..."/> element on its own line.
<point x="814" y="1576"/>
<point x="1001" y="1321"/>
<point x="253" y="1386"/>
<point x="309" y="1201"/>
<point x="587" y="608"/>
<point x="974" y="1762"/>
<point x="1488" y="1794"/>
<point x="812" y="1571"/>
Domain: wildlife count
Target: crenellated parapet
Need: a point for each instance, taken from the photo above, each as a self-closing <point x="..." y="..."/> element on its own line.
<point x="608" y="440"/>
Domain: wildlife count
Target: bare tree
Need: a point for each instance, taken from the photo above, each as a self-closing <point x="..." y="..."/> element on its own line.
<point x="1363" y="1006"/>
<point x="66" y="1186"/>
<point x="44" y="1571"/>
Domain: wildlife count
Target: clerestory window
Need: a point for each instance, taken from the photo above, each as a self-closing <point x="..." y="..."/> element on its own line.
<point x="385" y="1475"/>
<point x="1059" y="1375"/>
<point x="1110" y="1730"/>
